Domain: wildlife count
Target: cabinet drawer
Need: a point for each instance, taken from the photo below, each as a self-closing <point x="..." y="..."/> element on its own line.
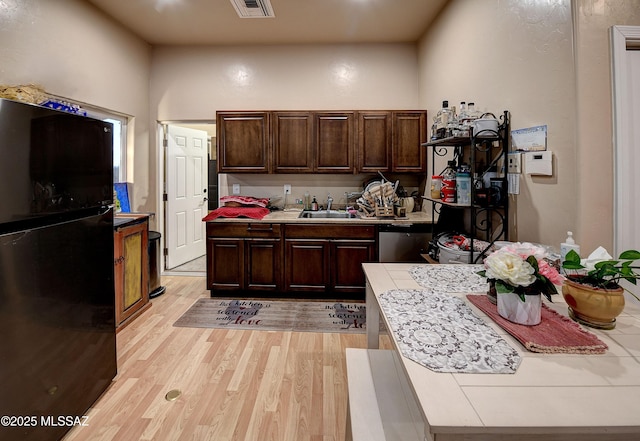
<point x="334" y="231"/>
<point x="244" y="230"/>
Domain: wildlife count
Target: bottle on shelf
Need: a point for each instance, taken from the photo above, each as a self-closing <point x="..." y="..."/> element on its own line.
<point x="307" y="201"/>
<point x="465" y="118"/>
<point x="472" y="112"/>
<point x="463" y="109"/>
<point x="441" y="122"/>
<point x="463" y="185"/>
<point x="436" y="186"/>
<point x="448" y="191"/>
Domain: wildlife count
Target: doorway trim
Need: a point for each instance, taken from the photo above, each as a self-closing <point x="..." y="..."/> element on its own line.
<point x="162" y="147"/>
<point x="622" y="39"/>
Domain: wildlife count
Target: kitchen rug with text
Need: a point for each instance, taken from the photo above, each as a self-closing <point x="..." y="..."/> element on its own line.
<point x="275" y="315"/>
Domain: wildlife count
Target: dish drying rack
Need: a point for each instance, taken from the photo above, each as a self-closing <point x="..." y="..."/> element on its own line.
<point x="378" y="200"/>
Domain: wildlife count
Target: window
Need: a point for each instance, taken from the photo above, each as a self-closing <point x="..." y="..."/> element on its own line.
<point x="119" y="149"/>
<point x="119" y="139"/>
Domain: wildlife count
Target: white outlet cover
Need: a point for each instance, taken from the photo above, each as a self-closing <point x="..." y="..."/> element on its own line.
<point x="236" y="188"/>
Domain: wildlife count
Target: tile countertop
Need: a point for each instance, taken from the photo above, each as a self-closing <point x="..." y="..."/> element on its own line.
<point x="551" y="396"/>
<point x="292" y="216"/>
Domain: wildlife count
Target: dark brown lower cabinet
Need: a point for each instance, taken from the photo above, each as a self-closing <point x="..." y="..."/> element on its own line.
<point x="346" y="259"/>
<point x="328" y="258"/>
<point x="317" y="259"/>
<point x="244" y="256"/>
<point x="306" y="265"/>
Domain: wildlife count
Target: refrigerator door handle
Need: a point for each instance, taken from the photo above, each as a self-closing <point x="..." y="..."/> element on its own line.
<point x="104" y="210"/>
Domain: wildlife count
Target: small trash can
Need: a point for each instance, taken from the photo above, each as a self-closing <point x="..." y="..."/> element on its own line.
<point x="155" y="289"/>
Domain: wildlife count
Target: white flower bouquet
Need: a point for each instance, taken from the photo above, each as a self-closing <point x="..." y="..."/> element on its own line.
<point x="523" y="269"/>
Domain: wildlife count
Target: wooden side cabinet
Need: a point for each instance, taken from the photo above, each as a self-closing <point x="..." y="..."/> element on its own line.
<point x="131" y="267"/>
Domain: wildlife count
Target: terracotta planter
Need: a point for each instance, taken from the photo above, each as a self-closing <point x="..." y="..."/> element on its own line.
<point x="595" y="307"/>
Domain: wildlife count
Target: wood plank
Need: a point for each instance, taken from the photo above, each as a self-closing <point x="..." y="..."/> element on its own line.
<point x="236" y="385"/>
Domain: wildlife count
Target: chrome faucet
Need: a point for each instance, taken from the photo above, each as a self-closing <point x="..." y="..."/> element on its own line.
<point x="329" y="202"/>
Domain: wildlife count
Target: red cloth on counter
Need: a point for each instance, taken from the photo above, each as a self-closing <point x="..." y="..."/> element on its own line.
<point x="251" y="212"/>
<point x="245" y="200"/>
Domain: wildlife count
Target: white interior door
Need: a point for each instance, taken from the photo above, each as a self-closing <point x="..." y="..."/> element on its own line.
<point x="626" y="133"/>
<point x="186" y="195"/>
<point x="626" y="114"/>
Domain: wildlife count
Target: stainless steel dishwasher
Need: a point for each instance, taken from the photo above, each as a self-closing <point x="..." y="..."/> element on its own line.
<point x="403" y="242"/>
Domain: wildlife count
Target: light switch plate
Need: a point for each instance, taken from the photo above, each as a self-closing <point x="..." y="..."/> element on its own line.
<point x="514" y="163"/>
<point x="236" y="188"/>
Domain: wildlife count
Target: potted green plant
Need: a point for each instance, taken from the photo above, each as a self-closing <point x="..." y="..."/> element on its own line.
<point x="593" y="292"/>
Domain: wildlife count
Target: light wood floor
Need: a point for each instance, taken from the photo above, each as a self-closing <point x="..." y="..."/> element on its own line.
<point x="236" y="385"/>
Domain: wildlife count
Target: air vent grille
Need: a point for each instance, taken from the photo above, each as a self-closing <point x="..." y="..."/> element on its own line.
<point x="253" y="8"/>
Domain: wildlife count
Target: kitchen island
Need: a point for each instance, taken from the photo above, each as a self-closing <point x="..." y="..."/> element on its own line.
<point x="562" y="397"/>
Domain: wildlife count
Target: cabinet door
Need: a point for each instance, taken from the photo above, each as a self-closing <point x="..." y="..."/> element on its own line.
<point x="306" y="265"/>
<point x="334" y="146"/>
<point x="347" y="258"/>
<point x="374" y="141"/>
<point x="409" y="131"/>
<point x="292" y="140"/>
<point x="263" y="263"/>
<point x="225" y="263"/>
<point x="243" y="142"/>
<point x="131" y="270"/>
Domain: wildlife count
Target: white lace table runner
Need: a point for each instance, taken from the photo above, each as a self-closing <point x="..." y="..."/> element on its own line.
<point x="440" y="332"/>
<point x="450" y="278"/>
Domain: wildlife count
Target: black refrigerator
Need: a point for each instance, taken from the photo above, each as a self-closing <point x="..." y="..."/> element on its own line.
<point x="57" y="298"/>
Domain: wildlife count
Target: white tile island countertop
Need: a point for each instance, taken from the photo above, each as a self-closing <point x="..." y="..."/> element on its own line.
<point x="563" y="397"/>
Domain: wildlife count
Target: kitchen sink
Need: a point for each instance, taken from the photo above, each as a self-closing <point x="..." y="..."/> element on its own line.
<point x="326" y="214"/>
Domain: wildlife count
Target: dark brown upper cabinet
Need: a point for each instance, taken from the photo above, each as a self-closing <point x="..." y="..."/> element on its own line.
<point x="292" y="140"/>
<point x="321" y="141"/>
<point x="374" y="141"/>
<point x="335" y="142"/>
<point x="243" y="142"/>
<point x="409" y="130"/>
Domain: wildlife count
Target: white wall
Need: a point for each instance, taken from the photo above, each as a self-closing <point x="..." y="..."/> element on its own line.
<point x="192" y="83"/>
<point x="70" y="49"/>
<point x="517" y="56"/>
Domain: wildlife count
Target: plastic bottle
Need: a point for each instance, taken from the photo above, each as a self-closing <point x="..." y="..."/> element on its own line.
<point x="568" y="245"/>
<point x="314" y="204"/>
<point x="448" y="192"/>
<point x="307" y="201"/>
<point x="436" y="186"/>
<point x="463" y="185"/>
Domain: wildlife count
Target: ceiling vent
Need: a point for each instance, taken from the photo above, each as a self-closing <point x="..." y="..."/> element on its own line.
<point x="253" y="8"/>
